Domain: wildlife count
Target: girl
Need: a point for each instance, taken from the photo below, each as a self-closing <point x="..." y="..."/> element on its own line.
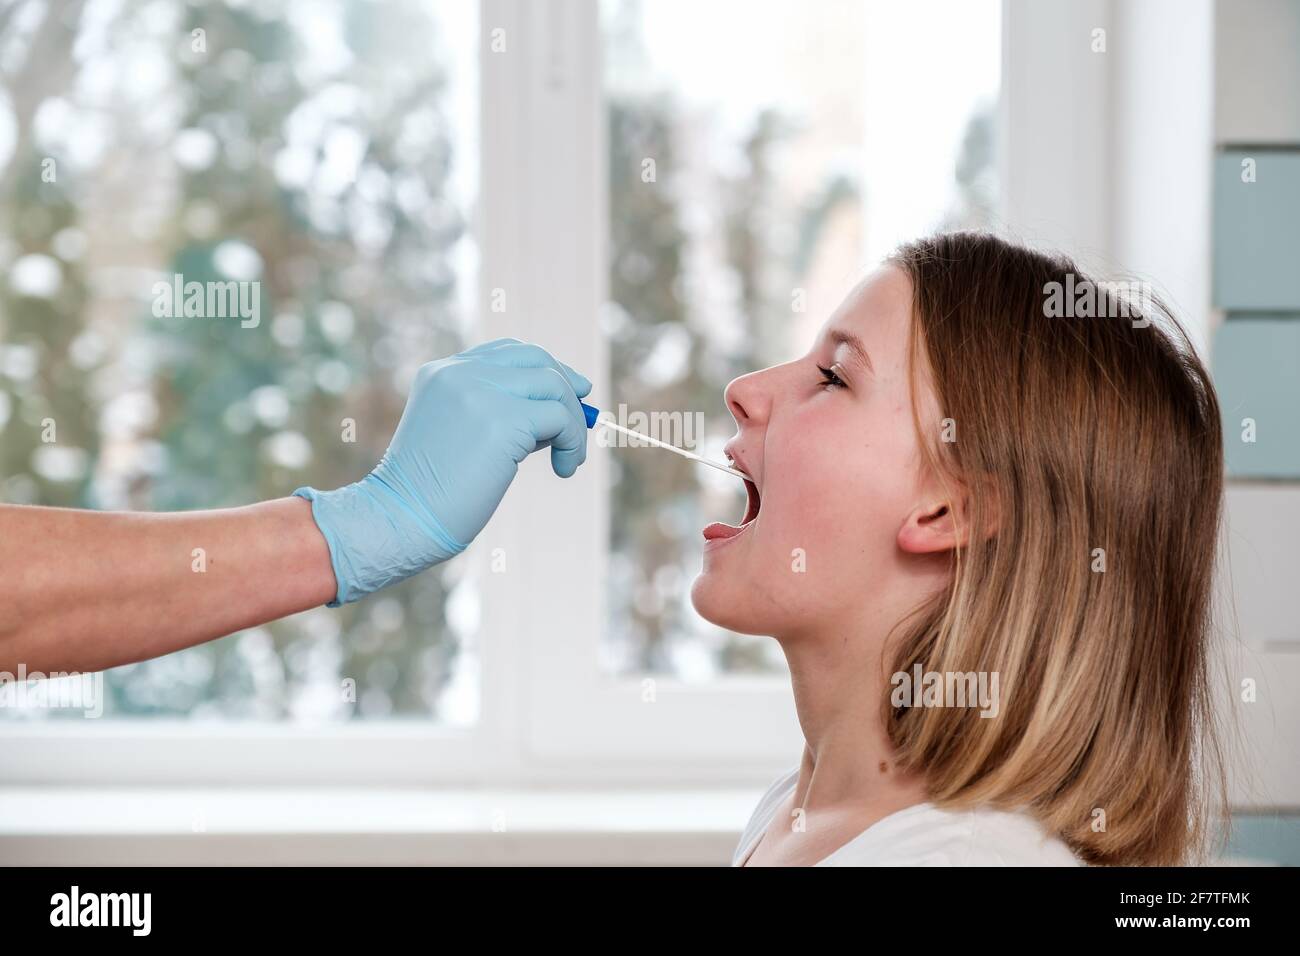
<point x="971" y="484"/>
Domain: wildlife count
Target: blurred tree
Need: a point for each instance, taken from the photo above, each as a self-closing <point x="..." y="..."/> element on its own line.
<point x="315" y="162"/>
<point x="48" y="431"/>
<point x="976" y="174"/>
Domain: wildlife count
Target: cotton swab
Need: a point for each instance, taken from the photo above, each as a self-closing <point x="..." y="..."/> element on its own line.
<point x="593" y="418"/>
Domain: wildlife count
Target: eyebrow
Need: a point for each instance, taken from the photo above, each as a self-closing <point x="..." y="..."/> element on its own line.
<point x="854" y="345"/>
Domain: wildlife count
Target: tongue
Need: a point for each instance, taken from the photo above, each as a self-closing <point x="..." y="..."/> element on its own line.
<point x="719" y="530"/>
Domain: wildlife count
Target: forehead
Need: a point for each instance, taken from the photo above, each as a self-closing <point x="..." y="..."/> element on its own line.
<point x="878" y="312"/>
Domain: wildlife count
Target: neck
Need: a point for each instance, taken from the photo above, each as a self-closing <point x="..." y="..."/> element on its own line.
<point x="839" y="688"/>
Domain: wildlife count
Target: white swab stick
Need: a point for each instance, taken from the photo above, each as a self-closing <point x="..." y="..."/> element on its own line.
<point x="673" y="448"/>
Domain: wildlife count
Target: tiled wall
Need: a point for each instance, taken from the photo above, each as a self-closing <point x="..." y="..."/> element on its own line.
<point x="1264" y="838"/>
<point x="1255" y="359"/>
<point x="1256" y="354"/>
<point x="1256" y="247"/>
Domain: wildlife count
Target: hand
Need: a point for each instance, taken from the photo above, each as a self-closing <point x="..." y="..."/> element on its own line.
<point x="469" y="421"/>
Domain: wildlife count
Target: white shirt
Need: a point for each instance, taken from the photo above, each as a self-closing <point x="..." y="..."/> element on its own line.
<point x="925" y="835"/>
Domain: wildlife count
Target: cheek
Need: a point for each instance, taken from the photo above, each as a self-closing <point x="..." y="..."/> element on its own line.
<point x="807" y="494"/>
<point x="842" y="492"/>
<point x="807" y="525"/>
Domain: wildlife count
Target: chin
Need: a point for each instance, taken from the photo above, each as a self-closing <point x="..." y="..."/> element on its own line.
<point x="726" y="606"/>
<point x="707" y="602"/>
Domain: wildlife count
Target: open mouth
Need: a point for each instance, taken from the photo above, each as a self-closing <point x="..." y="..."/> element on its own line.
<point x="719" y="530"/>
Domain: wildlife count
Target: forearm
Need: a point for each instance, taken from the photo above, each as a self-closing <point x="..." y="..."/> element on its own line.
<point x="85" y="590"/>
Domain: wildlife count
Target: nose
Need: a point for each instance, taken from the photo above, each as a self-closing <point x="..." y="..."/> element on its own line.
<point x="748" y="399"/>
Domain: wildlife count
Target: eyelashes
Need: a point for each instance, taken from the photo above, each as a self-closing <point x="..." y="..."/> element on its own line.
<point x="829" y="377"/>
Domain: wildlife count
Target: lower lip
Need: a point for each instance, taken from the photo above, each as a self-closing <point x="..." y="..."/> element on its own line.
<point x="729" y="533"/>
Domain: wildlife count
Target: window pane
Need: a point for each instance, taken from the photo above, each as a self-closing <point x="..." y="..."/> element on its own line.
<point x="325" y="152"/>
<point x="762" y="156"/>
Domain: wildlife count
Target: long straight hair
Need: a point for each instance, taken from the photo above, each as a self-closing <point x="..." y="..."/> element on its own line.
<point x="1090" y="443"/>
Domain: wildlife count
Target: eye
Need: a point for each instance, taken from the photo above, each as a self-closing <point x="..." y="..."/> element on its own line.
<point x="830" y="378"/>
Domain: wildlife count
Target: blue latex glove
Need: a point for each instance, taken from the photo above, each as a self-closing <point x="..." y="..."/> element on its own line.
<point x="469" y="421"/>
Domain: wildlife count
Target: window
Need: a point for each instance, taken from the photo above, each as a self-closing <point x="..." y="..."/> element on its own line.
<point x="327" y="151"/>
<point x="389" y="179"/>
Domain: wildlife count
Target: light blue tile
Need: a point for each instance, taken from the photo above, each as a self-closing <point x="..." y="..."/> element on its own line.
<point x="1257" y="231"/>
<point x="1265" y="838"/>
<point x="1256" y="368"/>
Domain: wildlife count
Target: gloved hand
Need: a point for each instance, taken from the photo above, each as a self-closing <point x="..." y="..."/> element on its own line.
<point x="469" y="421"/>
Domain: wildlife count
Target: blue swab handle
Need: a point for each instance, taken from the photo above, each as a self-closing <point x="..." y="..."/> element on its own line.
<point x="592" y="413"/>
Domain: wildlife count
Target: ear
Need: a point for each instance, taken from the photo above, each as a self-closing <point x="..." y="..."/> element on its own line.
<point x="931" y="529"/>
<point x="939" y="525"/>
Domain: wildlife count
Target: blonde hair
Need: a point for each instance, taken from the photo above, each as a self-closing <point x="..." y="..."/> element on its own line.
<point x="1073" y="434"/>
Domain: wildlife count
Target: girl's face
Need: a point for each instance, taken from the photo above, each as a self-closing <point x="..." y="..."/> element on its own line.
<point x="837" y="501"/>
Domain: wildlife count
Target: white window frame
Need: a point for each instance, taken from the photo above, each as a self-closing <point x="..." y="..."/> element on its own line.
<point x="549" y="713"/>
<point x="544" y="231"/>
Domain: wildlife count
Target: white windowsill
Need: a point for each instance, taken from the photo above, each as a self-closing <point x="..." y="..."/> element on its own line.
<point x="321" y="826"/>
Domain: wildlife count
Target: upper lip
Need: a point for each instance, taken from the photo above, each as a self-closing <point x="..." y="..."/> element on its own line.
<point x="733" y="452"/>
